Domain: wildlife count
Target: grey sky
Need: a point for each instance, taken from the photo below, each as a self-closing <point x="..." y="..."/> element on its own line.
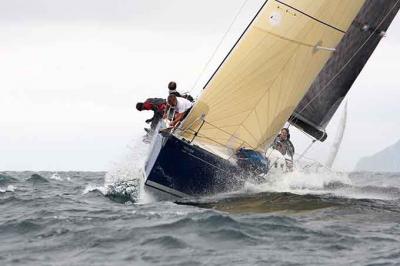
<point x="73" y="70"/>
<point x="174" y="15"/>
<point x="76" y="10"/>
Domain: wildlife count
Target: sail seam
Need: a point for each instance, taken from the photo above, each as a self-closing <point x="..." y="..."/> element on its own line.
<point x="313" y="18"/>
<point x="256" y="47"/>
<point x="266" y="91"/>
<point x="228" y="133"/>
<point x="278" y="37"/>
<point x="287" y="39"/>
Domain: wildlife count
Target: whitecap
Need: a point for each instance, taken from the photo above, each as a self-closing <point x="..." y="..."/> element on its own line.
<point x="9" y="188"/>
<point x="91" y="188"/>
<point x="56" y="177"/>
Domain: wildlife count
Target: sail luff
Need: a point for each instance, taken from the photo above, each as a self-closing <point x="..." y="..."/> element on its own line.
<point x="273" y="64"/>
<point x="236" y="43"/>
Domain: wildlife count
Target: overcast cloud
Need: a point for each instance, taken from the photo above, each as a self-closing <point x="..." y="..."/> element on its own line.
<point x="73" y="70"/>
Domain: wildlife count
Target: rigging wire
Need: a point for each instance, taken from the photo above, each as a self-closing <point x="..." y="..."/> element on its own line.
<point x="348" y="62"/>
<point x="316" y="162"/>
<point x="218" y="46"/>
<point x="306" y="150"/>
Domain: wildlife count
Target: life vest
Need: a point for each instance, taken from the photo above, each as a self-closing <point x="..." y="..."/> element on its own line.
<point x="155" y="104"/>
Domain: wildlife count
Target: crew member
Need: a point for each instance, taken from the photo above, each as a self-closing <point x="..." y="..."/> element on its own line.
<point x="182" y="108"/>
<point x="172" y="91"/>
<point x="283" y="144"/>
<point x="157" y="105"/>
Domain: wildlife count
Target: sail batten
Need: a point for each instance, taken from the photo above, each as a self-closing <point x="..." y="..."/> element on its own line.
<point x="308" y="15"/>
<point x="256" y="89"/>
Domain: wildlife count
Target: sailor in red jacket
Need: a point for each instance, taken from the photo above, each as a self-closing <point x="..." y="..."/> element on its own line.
<point x="157" y="105"/>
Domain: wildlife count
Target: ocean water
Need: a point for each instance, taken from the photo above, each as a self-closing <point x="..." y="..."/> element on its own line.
<point x="98" y="218"/>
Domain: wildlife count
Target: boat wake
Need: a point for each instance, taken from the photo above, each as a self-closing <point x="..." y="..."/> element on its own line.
<point x="299" y="191"/>
<point x="299" y="182"/>
<point x="336" y="184"/>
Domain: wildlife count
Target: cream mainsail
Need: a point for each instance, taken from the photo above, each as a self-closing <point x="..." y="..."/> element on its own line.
<point x="265" y="76"/>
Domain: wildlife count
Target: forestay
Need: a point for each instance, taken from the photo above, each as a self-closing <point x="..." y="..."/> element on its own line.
<point x="262" y="80"/>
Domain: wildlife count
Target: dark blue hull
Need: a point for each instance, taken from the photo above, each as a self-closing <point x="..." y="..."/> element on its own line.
<point x="181" y="169"/>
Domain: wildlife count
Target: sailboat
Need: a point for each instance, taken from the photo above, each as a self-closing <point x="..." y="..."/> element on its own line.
<point x="251" y="95"/>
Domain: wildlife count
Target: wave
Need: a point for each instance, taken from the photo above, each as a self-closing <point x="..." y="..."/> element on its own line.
<point x="120" y="192"/>
<point x="269" y="202"/>
<point x="91" y="188"/>
<point x="37" y="179"/>
<point x="325" y="182"/>
<point x="7" y="179"/>
<point x="20" y="227"/>
<point x="262" y="202"/>
<point x="299" y="191"/>
<point x="222" y="228"/>
<point x="299" y="182"/>
<point x="168" y="242"/>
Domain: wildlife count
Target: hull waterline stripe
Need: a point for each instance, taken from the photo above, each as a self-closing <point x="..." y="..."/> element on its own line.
<point x="165" y="189"/>
<point x="204" y="161"/>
